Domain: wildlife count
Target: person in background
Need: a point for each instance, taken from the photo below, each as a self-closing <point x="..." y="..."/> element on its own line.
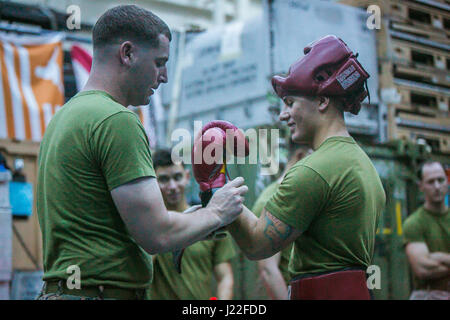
<point x="273" y="271"/>
<point x="427" y="237"/>
<point x="201" y="261"/>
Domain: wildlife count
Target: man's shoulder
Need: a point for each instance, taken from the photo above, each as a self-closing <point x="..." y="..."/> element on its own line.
<point x="269" y="191"/>
<point x="336" y="153"/>
<point x="414" y="219"/>
<point x="313" y="165"/>
<point x="97" y="105"/>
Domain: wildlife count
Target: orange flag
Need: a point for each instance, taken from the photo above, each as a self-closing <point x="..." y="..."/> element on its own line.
<point x="32" y="87"/>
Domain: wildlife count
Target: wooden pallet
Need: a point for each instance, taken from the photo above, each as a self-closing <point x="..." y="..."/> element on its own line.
<point x="421" y="74"/>
<point x="433" y="34"/>
<point x="440" y="36"/>
<point x="423" y="98"/>
<point x="428" y="12"/>
<point x="418" y="14"/>
<point x="447" y="2"/>
<point x="419" y="55"/>
<point x="406" y="119"/>
<point x="405" y="124"/>
<point x="439" y="142"/>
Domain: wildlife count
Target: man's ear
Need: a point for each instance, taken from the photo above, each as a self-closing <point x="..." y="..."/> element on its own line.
<point x="188" y="174"/>
<point x="324" y="102"/>
<point x="420" y="185"/>
<point x="126" y="53"/>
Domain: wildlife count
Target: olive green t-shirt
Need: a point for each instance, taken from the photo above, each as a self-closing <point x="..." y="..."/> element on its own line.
<point x="431" y="228"/>
<point x="91" y="146"/>
<point x="335" y="198"/>
<point x="195" y="280"/>
<point x="258" y="207"/>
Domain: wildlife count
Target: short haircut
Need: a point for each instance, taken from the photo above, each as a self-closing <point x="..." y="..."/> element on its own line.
<point x="163" y="158"/>
<point x="129" y="22"/>
<point x="426" y="163"/>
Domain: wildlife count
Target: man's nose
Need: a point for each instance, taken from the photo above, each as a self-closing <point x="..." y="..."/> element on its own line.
<point x="437" y="184"/>
<point x="284" y="115"/>
<point x="172" y="184"/>
<point x="163" y="78"/>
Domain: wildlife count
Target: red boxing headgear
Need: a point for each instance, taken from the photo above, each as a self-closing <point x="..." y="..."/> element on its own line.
<point x="329" y="68"/>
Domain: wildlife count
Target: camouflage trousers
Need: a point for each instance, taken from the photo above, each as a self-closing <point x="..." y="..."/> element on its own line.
<point x="62" y="296"/>
<point x="429" y="295"/>
<point x="59" y="295"/>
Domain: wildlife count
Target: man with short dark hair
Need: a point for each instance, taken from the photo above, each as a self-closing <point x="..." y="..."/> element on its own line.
<point x="98" y="201"/>
<point x="426" y="235"/>
<point x="201" y="260"/>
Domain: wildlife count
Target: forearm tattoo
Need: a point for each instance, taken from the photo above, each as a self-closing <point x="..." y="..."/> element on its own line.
<point x="276" y="231"/>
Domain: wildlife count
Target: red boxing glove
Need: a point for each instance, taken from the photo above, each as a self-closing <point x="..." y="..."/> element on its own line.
<point x="210" y="167"/>
<point x="210" y="150"/>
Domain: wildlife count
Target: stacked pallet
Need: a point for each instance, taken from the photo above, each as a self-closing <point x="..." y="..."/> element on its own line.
<point x="414" y="64"/>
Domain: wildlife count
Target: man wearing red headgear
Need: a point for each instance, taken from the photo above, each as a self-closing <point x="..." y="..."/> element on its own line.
<point x="329" y="203"/>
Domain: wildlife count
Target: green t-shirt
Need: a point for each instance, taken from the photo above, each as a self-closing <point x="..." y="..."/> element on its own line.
<point x="257" y="209"/>
<point x="91" y="146"/>
<point x="431" y="228"/>
<point x="335" y="198"/>
<point x="195" y="280"/>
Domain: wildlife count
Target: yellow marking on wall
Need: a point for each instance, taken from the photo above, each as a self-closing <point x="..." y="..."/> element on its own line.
<point x="398" y="213"/>
<point x="385" y="231"/>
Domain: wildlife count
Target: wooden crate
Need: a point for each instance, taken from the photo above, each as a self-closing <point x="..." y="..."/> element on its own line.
<point x="418" y="14"/>
<point x="407" y="119"/>
<point x="438" y="35"/>
<point x="422" y="98"/>
<point x="405" y="125"/>
<point x="439" y="142"/>
<point x="421" y="74"/>
<point x="420" y="56"/>
<point x="429" y="13"/>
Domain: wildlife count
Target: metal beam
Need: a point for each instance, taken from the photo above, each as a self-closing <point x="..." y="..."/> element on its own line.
<point x="39" y="31"/>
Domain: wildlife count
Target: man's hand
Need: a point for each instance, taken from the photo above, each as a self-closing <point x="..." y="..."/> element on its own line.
<point x="156" y="230"/>
<point x="227" y="202"/>
<point x="422" y="262"/>
<point x="441" y="257"/>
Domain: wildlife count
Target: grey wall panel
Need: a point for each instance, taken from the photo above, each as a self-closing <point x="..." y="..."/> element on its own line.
<point x="224" y="67"/>
<point x="297" y="23"/>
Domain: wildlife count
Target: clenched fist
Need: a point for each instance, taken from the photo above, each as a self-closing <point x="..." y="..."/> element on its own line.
<point x="227" y="202"/>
